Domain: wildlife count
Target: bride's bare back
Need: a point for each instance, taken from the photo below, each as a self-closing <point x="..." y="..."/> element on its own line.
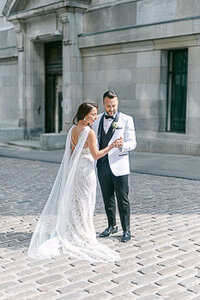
<point x="76" y="131"/>
<point x="90" y="143"/>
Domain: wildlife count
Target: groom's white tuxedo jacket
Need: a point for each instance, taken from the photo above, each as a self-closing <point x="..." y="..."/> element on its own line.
<point x="119" y="158"/>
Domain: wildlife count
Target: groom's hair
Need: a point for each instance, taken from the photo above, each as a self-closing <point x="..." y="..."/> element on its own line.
<point x="110" y="94"/>
<point x="83" y="110"/>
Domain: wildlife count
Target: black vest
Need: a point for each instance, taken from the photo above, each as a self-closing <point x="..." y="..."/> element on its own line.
<point x="105" y="137"/>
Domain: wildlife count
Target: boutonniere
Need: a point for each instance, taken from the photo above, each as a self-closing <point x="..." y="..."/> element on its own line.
<point x="115" y="126"/>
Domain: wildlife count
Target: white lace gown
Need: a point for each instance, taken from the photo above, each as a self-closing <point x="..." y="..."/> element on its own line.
<point x="69" y="226"/>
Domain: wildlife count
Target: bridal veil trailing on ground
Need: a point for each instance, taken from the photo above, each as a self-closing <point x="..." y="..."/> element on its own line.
<point x="66" y="222"/>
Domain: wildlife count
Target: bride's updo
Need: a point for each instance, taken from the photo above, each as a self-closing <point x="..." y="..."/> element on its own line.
<point x="83" y="110"/>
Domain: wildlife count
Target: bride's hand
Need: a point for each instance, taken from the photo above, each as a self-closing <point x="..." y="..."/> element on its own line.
<point x="118" y="143"/>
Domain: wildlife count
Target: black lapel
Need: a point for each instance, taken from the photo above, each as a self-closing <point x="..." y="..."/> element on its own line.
<point x="100" y="128"/>
<point x="115" y="120"/>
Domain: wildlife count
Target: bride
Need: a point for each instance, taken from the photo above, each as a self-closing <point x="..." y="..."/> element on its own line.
<point x="66" y="221"/>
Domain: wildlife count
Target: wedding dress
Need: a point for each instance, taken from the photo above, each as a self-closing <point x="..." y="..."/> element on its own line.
<point x="67" y="219"/>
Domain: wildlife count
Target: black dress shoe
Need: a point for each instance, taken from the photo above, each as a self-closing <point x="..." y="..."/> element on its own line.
<point x="108" y="231"/>
<point x="126" y="236"/>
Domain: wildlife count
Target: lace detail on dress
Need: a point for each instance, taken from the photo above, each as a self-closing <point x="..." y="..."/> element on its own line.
<point x="80" y="234"/>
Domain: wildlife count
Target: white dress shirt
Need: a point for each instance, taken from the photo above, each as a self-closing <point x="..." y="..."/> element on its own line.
<point x="107" y="123"/>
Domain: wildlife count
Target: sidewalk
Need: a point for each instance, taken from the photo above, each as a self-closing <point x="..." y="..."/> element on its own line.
<point x="172" y="165"/>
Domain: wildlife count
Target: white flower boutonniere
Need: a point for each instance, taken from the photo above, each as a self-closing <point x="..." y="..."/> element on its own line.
<point x="115" y="126"/>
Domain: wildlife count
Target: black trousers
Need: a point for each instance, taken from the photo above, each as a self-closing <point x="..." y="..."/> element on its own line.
<point x="112" y="185"/>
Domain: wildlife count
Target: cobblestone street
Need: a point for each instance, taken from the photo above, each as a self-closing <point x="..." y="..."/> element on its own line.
<point x="162" y="261"/>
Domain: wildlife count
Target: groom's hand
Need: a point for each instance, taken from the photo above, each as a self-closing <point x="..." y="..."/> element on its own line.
<point x="119" y="143"/>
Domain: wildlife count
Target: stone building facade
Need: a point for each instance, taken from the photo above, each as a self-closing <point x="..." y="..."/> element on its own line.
<point x="56" y="54"/>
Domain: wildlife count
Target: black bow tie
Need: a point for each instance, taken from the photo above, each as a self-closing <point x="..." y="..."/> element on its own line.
<point x="109" y="117"/>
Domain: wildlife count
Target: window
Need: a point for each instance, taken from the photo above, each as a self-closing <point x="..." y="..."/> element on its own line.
<point x="177" y="90"/>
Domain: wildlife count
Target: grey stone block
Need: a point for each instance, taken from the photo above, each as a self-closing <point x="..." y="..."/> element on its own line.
<point x="52" y="141"/>
<point x="11" y="134"/>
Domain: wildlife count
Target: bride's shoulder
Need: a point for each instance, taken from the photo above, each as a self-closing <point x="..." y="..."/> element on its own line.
<point x="91" y="133"/>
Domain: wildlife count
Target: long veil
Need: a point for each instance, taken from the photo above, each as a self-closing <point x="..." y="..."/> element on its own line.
<point x="51" y="227"/>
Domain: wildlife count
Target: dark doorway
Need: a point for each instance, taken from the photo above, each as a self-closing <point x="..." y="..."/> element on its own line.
<point x="53" y="89"/>
<point x="177" y="90"/>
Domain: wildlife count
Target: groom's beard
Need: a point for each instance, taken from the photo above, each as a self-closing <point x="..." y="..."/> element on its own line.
<point x="110" y="113"/>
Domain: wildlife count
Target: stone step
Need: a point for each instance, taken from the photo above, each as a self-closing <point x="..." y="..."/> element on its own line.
<point x="31" y="144"/>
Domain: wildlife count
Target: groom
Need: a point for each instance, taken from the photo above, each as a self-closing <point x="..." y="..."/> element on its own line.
<point x="113" y="169"/>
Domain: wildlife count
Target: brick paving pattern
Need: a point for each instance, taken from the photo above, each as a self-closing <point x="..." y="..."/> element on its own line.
<point x="162" y="261"/>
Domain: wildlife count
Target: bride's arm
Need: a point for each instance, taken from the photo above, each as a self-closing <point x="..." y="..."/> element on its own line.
<point x="92" y="144"/>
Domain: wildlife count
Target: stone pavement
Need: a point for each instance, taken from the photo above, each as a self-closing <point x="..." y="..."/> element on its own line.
<point x="162" y="261"/>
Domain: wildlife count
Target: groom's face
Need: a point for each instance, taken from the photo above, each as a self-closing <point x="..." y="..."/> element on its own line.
<point x="111" y="105"/>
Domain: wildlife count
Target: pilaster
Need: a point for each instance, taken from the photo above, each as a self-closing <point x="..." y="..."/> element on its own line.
<point x="20" y="32"/>
<point x="72" y="73"/>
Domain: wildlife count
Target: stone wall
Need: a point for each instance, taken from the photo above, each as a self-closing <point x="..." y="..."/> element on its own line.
<point x="134" y="75"/>
<point x="8" y="74"/>
<point x="9" y="93"/>
<point x="125" y="47"/>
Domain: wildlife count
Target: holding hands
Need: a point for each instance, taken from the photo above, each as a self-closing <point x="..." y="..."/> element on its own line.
<point x="118" y="143"/>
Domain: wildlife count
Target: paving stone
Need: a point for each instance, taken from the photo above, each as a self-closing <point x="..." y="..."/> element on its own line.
<point x="105" y="285"/>
<point x="195" y="289"/>
<point x="150" y="297"/>
<point x="170" y="270"/>
<point x="74" y="287"/>
<point x="20" y="288"/>
<point x="150" y="269"/>
<point x="100" y="277"/>
<point x="167" y="281"/>
<point x="7" y="278"/>
<point x="187" y="273"/>
<point x="146" y="254"/>
<point x="168" y="262"/>
<point x="172" y="253"/>
<point x="180" y="295"/>
<point x="75" y="270"/>
<point x="190" y="263"/>
<point x="188" y="255"/>
<point x="127" y="296"/>
<point x="146" y="278"/>
<point x="31" y="277"/>
<point x="97" y="296"/>
<point x="49" y="296"/>
<point x="108" y="268"/>
<point x="25" y="295"/>
<point x="80" y="276"/>
<point x="170" y="289"/>
<point x="125" y="269"/>
<point x="49" y="279"/>
<point x="74" y="296"/>
<point x="7" y="285"/>
<point x="29" y="271"/>
<point x="53" y="286"/>
<point x="127" y="277"/>
<point x="119" y="289"/>
<point x="148" y="261"/>
<point x="146" y="289"/>
<point x="188" y="282"/>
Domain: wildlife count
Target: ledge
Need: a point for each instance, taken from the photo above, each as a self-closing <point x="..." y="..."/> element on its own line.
<point x="182" y="28"/>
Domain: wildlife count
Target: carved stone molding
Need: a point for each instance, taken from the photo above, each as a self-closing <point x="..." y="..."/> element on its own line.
<point x="19" y="29"/>
<point x="64" y="19"/>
